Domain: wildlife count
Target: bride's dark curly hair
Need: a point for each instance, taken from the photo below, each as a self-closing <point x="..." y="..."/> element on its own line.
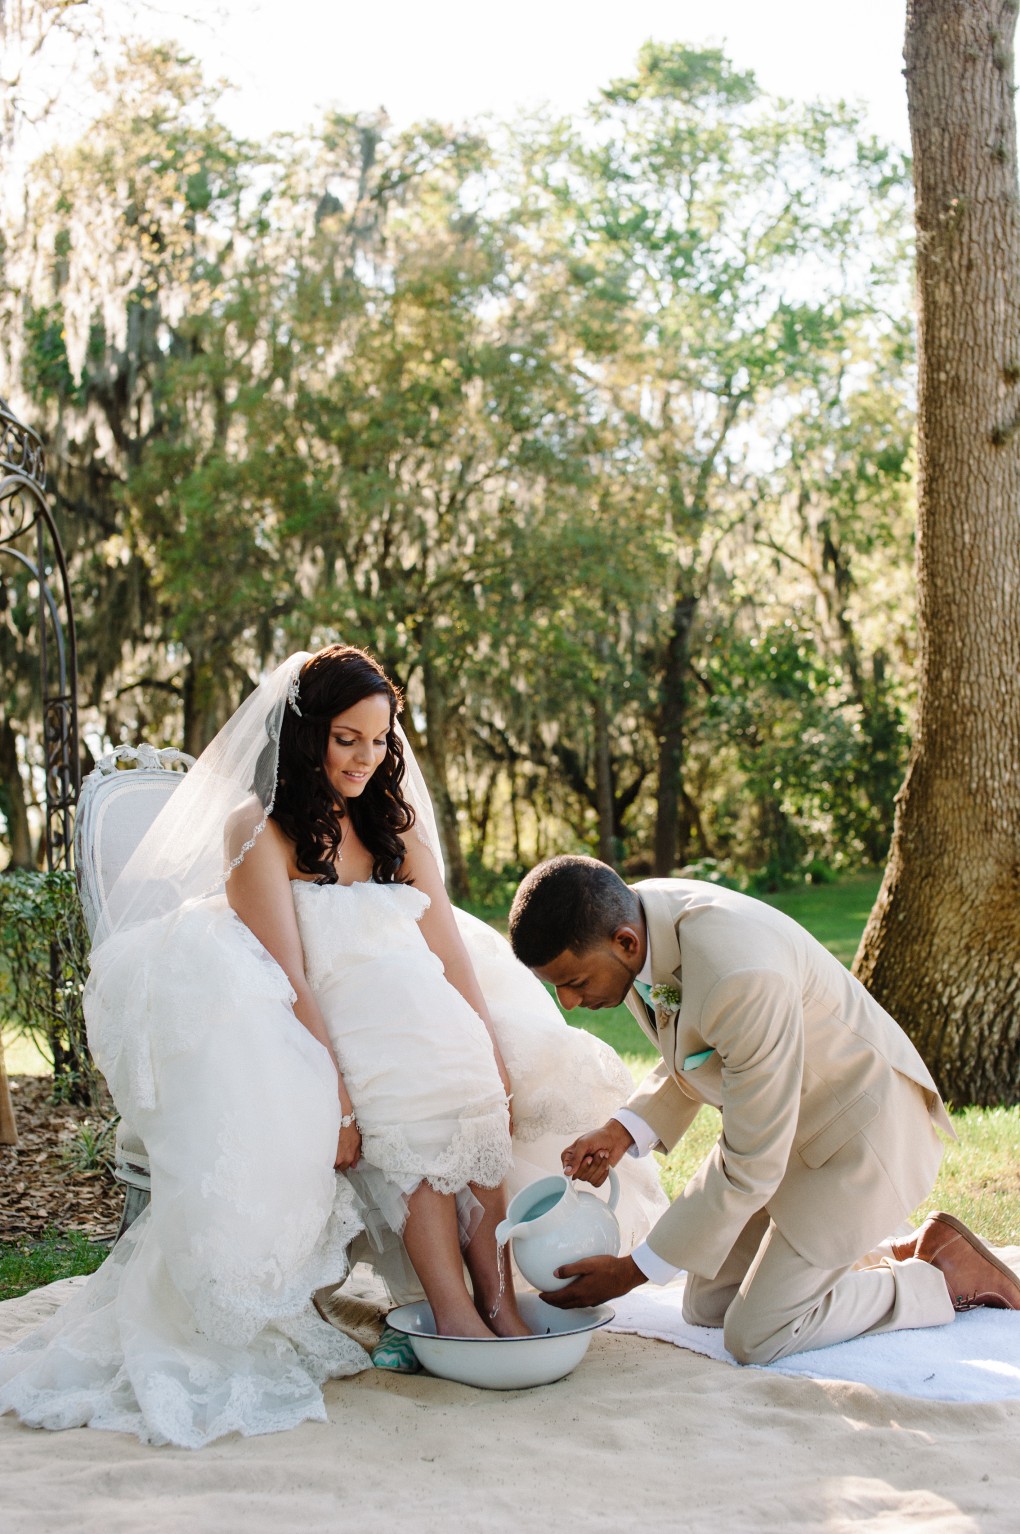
<point x="308" y="809"/>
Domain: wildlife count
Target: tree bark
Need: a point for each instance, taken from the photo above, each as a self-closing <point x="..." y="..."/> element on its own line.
<point x="208" y="703"/>
<point x="604" y="784"/>
<point x="457" y="878"/>
<point x="8" y="1124"/>
<point x="942" y="946"/>
<point x="672" y="719"/>
<point x="19" y="834"/>
<point x="605" y="807"/>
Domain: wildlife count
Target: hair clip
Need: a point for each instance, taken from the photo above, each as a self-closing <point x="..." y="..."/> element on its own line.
<point x="294" y="692"/>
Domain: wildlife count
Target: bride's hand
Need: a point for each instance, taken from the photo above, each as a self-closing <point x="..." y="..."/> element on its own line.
<point x="348" y="1148"/>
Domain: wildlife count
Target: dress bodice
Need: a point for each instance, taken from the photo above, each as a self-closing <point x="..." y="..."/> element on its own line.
<point x="344" y="924"/>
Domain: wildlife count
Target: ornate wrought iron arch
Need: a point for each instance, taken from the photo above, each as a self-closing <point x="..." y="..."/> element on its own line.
<point x="29" y="539"/>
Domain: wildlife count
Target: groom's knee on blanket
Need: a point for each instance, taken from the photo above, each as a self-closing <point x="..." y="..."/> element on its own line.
<point x="706" y="1304"/>
<point x="744" y="1339"/>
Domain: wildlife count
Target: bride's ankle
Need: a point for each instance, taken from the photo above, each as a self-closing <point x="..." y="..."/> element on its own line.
<point x="463" y="1324"/>
<point x="504" y="1318"/>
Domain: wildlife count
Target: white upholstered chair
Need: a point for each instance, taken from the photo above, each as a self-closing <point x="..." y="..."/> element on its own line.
<point x="119" y="800"/>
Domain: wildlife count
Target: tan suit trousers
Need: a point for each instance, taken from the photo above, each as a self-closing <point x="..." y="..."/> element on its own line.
<point x="770" y="1302"/>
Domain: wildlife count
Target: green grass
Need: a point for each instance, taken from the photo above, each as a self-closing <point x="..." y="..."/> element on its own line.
<point x="833" y="913"/>
<point x="979" y="1180"/>
<point x="23" y="1057"/>
<point x="26" y="1265"/>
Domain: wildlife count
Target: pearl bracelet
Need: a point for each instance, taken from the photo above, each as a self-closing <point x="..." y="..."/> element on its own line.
<point x="347" y="1119"/>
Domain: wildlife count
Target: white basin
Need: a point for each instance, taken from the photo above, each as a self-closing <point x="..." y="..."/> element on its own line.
<point x="560" y="1341"/>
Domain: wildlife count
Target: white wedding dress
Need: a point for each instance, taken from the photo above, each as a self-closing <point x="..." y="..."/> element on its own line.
<point x="200" y="1322"/>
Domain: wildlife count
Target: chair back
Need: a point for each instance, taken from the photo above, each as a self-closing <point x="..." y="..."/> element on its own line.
<point x="119" y="800"/>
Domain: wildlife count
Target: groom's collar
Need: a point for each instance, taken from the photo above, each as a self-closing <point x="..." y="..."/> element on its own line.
<point x="662" y="954"/>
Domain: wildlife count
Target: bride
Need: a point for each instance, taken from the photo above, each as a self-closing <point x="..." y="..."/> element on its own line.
<point x="322" y="1057"/>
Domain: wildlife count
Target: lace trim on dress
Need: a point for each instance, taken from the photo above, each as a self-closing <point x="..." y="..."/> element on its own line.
<point x="234" y="1298"/>
<point x="155" y="1376"/>
<point x="480" y="1151"/>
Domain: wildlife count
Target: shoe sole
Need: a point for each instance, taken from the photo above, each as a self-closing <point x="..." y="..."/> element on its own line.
<point x="978" y="1245"/>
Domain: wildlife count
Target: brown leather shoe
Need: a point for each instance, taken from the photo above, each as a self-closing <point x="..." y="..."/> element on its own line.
<point x="974" y="1275"/>
<point x="901" y="1250"/>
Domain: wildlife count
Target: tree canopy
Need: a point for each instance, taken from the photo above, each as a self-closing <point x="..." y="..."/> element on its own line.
<point x="597" y="433"/>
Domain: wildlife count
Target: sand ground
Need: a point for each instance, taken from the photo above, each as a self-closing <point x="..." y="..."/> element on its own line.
<point x="643" y="1436"/>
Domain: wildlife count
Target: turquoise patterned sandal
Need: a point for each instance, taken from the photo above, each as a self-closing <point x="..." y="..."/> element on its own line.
<point x="394" y="1351"/>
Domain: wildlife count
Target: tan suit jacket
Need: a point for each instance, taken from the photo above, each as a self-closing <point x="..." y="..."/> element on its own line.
<point x="821" y="1126"/>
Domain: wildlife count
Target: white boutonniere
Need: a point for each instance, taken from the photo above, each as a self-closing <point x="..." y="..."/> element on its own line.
<point x="665" y="998"/>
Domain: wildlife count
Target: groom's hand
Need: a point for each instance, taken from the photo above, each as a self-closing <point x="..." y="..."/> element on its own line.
<point x="591" y="1155"/>
<point x="595" y="1279"/>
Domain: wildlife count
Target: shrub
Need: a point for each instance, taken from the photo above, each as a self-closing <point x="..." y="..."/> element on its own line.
<point x="43" y="967"/>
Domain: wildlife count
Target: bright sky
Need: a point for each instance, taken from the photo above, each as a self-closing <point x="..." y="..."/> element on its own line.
<point x="454" y="59"/>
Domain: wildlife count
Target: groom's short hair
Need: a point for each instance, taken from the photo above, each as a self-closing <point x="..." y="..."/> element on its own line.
<point x="570" y="903"/>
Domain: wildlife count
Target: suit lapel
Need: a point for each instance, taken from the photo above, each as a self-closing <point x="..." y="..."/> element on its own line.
<point x="663" y="943"/>
<point x="664" y="960"/>
<point x="639" y="1012"/>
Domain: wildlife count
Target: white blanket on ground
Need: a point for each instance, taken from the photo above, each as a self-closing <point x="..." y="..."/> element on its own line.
<point x="976" y="1358"/>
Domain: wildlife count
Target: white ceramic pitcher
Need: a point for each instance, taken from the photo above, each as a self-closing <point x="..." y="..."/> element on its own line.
<point x="551" y="1222"/>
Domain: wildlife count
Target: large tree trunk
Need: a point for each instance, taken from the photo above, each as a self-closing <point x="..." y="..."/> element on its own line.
<point x="942" y="947"/>
<point x="604" y="784"/>
<point x="604" y="799"/>
<point x="437" y="772"/>
<point x="208" y="699"/>
<point x="672" y="722"/>
<point x="8" y="1125"/>
<point x="19" y="834"/>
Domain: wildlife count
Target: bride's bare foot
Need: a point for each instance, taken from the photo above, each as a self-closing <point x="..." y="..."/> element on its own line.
<point x="432" y="1242"/>
<point x="465" y="1323"/>
<point x="505" y="1319"/>
<point x="489" y="1266"/>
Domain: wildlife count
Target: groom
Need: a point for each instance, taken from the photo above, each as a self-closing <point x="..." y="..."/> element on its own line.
<point x="828" y="1116"/>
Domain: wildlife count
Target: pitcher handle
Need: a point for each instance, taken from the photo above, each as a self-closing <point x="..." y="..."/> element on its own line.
<point x="614" y="1191"/>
